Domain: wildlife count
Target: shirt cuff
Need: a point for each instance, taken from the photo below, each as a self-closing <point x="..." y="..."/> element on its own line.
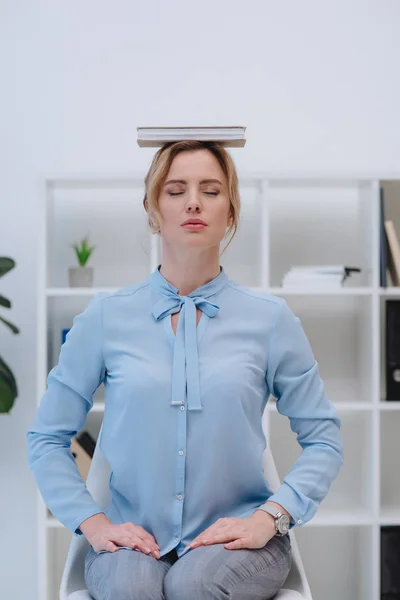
<point x="286" y="497"/>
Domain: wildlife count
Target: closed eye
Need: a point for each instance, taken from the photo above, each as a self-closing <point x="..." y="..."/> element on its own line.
<point x="179" y="193"/>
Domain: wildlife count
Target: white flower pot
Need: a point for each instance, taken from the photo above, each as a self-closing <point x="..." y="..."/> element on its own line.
<point x="80" y="276"/>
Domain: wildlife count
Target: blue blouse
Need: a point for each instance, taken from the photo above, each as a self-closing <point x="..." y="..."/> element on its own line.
<point x="182" y="426"/>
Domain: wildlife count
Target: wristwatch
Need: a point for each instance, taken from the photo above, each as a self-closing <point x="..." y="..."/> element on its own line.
<point x="282" y="521"/>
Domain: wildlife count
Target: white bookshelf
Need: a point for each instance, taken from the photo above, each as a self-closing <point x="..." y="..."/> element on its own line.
<point x="285" y="220"/>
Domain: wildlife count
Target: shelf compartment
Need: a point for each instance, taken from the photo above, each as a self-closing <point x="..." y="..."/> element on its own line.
<point x="346" y="362"/>
<point x="114" y="218"/>
<point x="338" y="561"/>
<point x="60" y="315"/>
<point x="390" y="451"/>
<point x="353" y="485"/>
<point x="58" y="540"/>
<point x="341" y="518"/>
<point x="345" y="210"/>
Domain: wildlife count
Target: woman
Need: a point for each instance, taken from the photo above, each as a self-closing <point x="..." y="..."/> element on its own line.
<point x="188" y="358"/>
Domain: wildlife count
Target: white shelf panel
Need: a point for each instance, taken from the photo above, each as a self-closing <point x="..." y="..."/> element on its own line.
<point x="389" y="405"/>
<point x="390" y="291"/>
<point x="390" y="515"/>
<point x="320" y="291"/>
<point x="56" y="292"/>
<point x="329" y="518"/>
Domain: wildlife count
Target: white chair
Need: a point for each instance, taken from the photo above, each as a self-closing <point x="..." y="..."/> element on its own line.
<point x="73" y="585"/>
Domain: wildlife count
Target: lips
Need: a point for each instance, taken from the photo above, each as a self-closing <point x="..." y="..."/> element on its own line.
<point x="194" y="222"/>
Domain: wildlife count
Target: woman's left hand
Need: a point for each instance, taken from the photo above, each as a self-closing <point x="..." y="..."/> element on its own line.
<point x="236" y="532"/>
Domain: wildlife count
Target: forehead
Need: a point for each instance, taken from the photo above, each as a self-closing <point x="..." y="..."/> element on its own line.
<point x="195" y="165"/>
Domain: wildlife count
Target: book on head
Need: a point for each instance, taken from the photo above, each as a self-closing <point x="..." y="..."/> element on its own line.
<point x="229" y="136"/>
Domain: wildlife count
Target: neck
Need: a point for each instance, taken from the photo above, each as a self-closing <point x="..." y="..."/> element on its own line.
<point x="189" y="273"/>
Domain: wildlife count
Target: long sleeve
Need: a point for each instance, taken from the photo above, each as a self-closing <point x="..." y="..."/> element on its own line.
<point x="62" y="413"/>
<point x="293" y="378"/>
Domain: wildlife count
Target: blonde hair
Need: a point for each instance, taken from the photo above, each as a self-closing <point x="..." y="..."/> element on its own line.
<point x="159" y="169"/>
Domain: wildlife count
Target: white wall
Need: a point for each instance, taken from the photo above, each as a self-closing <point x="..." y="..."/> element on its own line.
<point x="316" y="84"/>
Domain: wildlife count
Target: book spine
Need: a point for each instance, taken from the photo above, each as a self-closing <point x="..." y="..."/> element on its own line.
<point x="383" y="242"/>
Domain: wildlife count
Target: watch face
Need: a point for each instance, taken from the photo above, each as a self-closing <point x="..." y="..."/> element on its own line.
<point x="283" y="524"/>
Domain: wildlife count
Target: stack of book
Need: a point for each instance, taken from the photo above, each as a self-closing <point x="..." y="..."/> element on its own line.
<point x="326" y="276"/>
<point x="232" y="135"/>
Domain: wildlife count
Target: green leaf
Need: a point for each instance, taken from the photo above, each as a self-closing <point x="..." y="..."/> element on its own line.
<point x="5" y="302"/>
<point x="83" y="251"/>
<point x="6" y="264"/>
<point x="6" y="373"/>
<point x="8" y="388"/>
<point x="13" y="328"/>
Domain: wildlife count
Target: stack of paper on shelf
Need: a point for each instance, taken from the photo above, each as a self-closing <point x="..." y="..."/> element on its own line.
<point x="326" y="276"/>
<point x="232" y="136"/>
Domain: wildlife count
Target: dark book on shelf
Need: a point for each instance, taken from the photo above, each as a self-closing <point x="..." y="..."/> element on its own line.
<point x="390" y="572"/>
<point x="383" y="241"/>
<point x="392" y="331"/>
<point x="87" y="442"/>
<point x="82" y="448"/>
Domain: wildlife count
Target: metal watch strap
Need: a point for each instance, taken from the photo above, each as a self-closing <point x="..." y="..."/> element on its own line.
<point x="274" y="512"/>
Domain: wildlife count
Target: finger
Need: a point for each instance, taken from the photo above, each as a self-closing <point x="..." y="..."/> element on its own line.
<point x="149" y="540"/>
<point x="220" y="538"/>
<point x="237" y="544"/>
<point x="138" y="531"/>
<point x="110" y="546"/>
<point x="130" y="540"/>
<point x="146" y="549"/>
<point x="145" y="536"/>
<point x="208" y="533"/>
<point x="149" y="543"/>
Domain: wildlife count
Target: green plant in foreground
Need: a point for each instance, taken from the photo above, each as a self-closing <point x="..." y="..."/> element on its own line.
<point x="83" y="251"/>
<point x="8" y="385"/>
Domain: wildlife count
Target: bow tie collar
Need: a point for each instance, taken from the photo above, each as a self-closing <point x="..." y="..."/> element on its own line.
<point x="185" y="370"/>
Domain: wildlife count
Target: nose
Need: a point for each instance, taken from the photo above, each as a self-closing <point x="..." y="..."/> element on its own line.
<point x="193" y="203"/>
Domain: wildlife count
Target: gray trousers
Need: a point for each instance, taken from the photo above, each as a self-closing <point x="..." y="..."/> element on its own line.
<point x="206" y="572"/>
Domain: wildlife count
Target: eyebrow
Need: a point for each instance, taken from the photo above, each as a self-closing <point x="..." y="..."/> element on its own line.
<point x="202" y="181"/>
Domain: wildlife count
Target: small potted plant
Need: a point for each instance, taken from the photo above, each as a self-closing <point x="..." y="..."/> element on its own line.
<point x="82" y="276"/>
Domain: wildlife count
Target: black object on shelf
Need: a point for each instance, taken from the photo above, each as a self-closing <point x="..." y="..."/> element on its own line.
<point x="392" y="349"/>
<point x="87" y="442"/>
<point x="390" y="554"/>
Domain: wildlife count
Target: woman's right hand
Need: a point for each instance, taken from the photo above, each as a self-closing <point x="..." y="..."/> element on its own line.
<point x="103" y="535"/>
